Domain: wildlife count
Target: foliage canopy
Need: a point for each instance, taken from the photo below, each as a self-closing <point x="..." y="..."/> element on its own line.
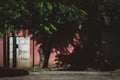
<point x="39" y="16"/>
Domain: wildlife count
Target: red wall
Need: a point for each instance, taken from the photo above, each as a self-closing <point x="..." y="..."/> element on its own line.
<point x="1" y="53"/>
<point x="33" y="45"/>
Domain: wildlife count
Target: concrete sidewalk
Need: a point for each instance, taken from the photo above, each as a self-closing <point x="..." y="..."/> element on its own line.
<point x="82" y="73"/>
<point x="66" y="75"/>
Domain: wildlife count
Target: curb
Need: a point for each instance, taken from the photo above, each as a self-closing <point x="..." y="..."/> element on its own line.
<point x="81" y="73"/>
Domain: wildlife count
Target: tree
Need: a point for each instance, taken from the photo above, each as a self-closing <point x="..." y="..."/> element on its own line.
<point x="40" y="17"/>
<point x="46" y="18"/>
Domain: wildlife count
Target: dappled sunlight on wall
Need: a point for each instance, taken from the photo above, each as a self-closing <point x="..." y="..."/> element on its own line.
<point x="53" y="59"/>
<point x="66" y="51"/>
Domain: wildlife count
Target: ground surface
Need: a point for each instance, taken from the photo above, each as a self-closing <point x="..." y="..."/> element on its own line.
<point x="60" y="75"/>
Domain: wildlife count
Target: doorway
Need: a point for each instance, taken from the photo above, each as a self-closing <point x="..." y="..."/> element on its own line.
<point x="22" y="52"/>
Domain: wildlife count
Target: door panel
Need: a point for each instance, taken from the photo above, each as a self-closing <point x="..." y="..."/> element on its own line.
<point x="22" y="51"/>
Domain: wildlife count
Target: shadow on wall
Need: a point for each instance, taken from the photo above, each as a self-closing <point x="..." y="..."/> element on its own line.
<point x="79" y="59"/>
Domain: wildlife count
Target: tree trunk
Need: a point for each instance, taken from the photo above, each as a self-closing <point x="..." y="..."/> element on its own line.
<point x="41" y="57"/>
<point x="47" y="45"/>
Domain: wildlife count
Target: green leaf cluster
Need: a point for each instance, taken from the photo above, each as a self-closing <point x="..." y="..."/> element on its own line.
<point x="11" y="10"/>
<point x="38" y="15"/>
